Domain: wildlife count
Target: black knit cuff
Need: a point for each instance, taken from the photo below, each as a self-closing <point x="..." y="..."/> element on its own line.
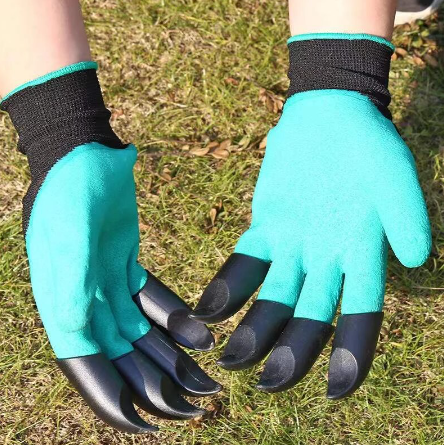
<point x="360" y="64"/>
<point x="54" y="117"/>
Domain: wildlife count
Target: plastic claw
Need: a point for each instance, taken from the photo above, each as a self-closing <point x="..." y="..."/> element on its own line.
<point x="162" y="306"/>
<point x="255" y="335"/>
<point x="154" y="391"/>
<point x="352" y="354"/>
<point x="100" y="385"/>
<point x="229" y="290"/>
<point x="178" y="365"/>
<point x="294" y="354"/>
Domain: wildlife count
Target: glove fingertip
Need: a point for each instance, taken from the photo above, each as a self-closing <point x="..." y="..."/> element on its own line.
<point x="414" y="251"/>
<point x="230" y="289"/>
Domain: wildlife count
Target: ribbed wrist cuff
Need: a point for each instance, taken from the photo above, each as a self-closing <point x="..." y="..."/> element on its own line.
<point x="354" y="62"/>
<point x="53" y="115"/>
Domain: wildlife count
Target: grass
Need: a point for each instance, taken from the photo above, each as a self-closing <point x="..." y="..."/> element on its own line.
<point x="177" y="75"/>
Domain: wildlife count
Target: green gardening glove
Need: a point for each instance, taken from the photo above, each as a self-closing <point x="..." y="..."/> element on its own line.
<point x="337" y="182"/>
<point x="112" y="325"/>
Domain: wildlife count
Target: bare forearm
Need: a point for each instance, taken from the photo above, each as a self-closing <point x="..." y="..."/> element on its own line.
<point x="38" y="37"/>
<point x="374" y="17"/>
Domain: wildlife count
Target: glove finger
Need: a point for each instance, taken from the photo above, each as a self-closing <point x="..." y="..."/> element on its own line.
<point x="97" y="380"/>
<point x="171" y="314"/>
<point x="101" y="386"/>
<point x="299" y="345"/>
<point x="181" y="368"/>
<point x="68" y="313"/>
<point x="230" y="289"/>
<point x="320" y="295"/>
<point x="154" y="391"/>
<point x="178" y="365"/>
<point x="352" y="352"/>
<point x="358" y="327"/>
<point x="260" y="328"/>
<point x="237" y="280"/>
<point x="114" y="254"/>
<point x="63" y="289"/>
<point x="105" y="329"/>
<point x="306" y="335"/>
<point x="403" y="212"/>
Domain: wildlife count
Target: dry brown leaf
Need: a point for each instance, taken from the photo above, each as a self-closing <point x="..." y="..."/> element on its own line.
<point x="418" y="61"/>
<point x="185" y="147"/>
<point x="278" y="104"/>
<point x="225" y="145"/>
<point x="196" y="423"/>
<point x="166" y="174"/>
<point x="213" y="215"/>
<point x="152" y="197"/>
<point x="116" y="114"/>
<point x="263" y="143"/>
<point x="269" y="104"/>
<point x="231" y="81"/>
<point x="430" y="60"/>
<point x="215" y="211"/>
<point x="220" y="153"/>
<point x="394" y="57"/>
<point x="143" y="227"/>
<point x="212" y="145"/>
<point x="213" y="409"/>
<point x="401" y="52"/>
<point x="200" y="151"/>
<point x="272" y="102"/>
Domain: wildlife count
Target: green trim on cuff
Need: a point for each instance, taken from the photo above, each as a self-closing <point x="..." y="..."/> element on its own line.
<point x="80" y="66"/>
<point x="343" y="36"/>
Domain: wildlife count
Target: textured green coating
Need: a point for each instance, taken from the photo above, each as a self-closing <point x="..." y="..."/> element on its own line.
<point x="82" y="244"/>
<point x="337" y="180"/>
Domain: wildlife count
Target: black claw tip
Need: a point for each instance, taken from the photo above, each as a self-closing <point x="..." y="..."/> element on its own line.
<point x="154" y="391"/>
<point x="178" y="365"/>
<point x="295" y="353"/>
<point x="278" y="370"/>
<point x="190" y="333"/>
<point x="352" y="354"/>
<point x="256" y="334"/>
<point x="213" y="304"/>
<point x="100" y="385"/>
<point x="201" y="314"/>
<point x="230" y="289"/>
<point x="343" y="373"/>
<point x="164" y="308"/>
<point x="239" y="349"/>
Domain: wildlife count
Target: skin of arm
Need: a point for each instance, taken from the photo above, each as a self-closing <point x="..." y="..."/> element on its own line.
<point x="50" y="34"/>
<point x="38" y="37"/>
<point x="374" y="17"/>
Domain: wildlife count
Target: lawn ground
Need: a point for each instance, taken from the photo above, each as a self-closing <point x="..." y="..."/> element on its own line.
<point x="179" y="75"/>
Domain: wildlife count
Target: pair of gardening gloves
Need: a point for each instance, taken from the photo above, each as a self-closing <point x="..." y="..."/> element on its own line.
<point x="337" y="184"/>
